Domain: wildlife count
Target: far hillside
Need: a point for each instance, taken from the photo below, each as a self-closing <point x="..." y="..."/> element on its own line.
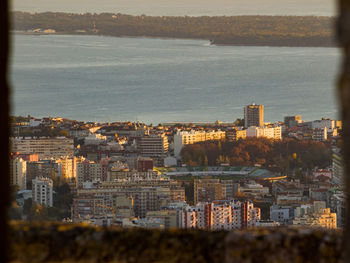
<point x="220" y="30"/>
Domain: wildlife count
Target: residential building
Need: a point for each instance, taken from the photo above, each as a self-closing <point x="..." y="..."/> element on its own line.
<point x="235" y="134"/>
<point x="321" y="173"/>
<point x="207" y="190"/>
<point x="91" y="171"/>
<point x="67" y="167"/>
<point x="322" y="218"/>
<point x="267" y="223"/>
<point x="182" y="138"/>
<point x="43" y="168"/>
<point x="316" y="215"/>
<point x="253" y="115"/>
<point x="154" y="146"/>
<point x="338" y="206"/>
<point x="18" y="173"/>
<point x="283" y="214"/>
<point x="253" y="189"/>
<point x="144" y="164"/>
<point x="43" y="191"/>
<point x="324" y="123"/>
<point x="147" y="195"/>
<point x="229" y="189"/>
<point x="124" y="207"/>
<point x="319" y="194"/>
<point x="45" y="147"/>
<point x="319" y="134"/>
<point x="169" y="217"/>
<point x="337" y="167"/>
<point x="221" y="215"/>
<point x="115" y="175"/>
<point x="25" y="157"/>
<point x="95" y="139"/>
<point x="271" y="132"/>
<point x="291" y="121"/>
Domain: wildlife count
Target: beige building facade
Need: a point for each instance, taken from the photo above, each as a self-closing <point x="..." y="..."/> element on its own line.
<point x="44" y="147"/>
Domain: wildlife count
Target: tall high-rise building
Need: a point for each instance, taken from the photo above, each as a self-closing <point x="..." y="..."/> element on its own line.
<point x="154" y="145"/>
<point x="253" y="115"/>
<point x="18" y="172"/>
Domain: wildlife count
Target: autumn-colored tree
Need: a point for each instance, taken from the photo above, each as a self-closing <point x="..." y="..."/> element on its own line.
<point x="287" y="154"/>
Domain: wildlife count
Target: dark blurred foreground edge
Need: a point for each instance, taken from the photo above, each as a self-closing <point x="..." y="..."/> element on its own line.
<point x="343" y="34"/>
<point x="343" y="29"/>
<point x="4" y="131"/>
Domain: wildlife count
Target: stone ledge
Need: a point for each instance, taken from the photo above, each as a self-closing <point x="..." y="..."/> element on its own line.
<point x="284" y="245"/>
<point x="57" y="242"/>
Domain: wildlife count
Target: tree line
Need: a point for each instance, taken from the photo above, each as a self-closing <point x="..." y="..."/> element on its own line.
<point x="282" y="155"/>
<point x="32" y="211"/>
<point x="226" y="30"/>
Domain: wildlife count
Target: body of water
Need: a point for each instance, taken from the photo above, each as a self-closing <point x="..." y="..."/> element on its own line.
<point x="95" y="78"/>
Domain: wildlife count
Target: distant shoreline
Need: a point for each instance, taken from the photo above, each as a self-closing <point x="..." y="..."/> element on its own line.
<point x="277" y="31"/>
<point x="167" y="38"/>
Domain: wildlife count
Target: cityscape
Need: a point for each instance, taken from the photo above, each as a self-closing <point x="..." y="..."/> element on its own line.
<point x="175" y="131"/>
<point x="215" y="176"/>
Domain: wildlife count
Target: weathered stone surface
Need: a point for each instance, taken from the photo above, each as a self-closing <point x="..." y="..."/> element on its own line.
<point x="56" y="242"/>
<point x="77" y="243"/>
<point x="284" y="245"/>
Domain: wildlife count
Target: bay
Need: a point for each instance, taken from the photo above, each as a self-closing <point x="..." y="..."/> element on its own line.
<point x="96" y="78"/>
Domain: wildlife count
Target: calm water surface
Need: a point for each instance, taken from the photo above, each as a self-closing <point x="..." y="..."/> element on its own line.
<point x="95" y="78"/>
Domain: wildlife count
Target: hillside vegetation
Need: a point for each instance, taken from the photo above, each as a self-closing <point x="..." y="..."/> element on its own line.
<point x="223" y="30"/>
<point x="283" y="155"/>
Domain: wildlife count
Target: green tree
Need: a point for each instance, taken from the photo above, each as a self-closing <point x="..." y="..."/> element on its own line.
<point x="27" y="206"/>
<point x="14" y="212"/>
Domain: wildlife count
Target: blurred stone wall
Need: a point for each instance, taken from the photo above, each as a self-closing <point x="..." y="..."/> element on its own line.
<point x="55" y="242"/>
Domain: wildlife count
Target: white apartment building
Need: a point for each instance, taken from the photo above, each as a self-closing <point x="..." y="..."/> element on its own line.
<point x="44" y="147"/>
<point x="282" y="214"/>
<point x="319" y="134"/>
<point x="42" y="191"/>
<point x="95" y="139"/>
<point x="18" y="173"/>
<point x="221" y="215"/>
<point x="35" y="122"/>
<point x="271" y="132"/>
<point x="182" y="138"/>
<point x="324" y="123"/>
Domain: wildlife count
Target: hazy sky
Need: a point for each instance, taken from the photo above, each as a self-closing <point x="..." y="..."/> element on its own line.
<point x="183" y="7"/>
